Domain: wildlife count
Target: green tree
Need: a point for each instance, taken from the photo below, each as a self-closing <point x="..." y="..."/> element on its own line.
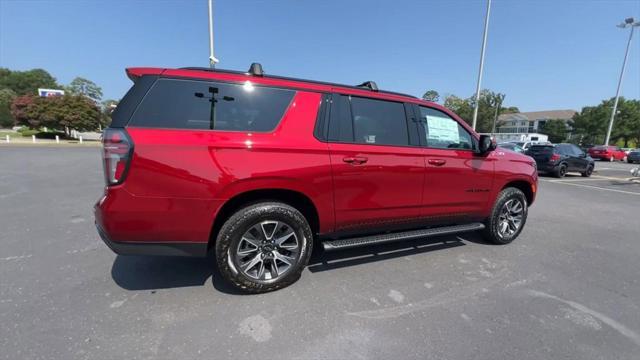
<point x="26" y="82"/>
<point x="556" y="129"/>
<point x="107" y="109"/>
<point x="82" y="86"/>
<point x="489" y="102"/>
<point x="6" y="98"/>
<point x="76" y="112"/>
<point x="590" y="124"/>
<point x="431" y="95"/>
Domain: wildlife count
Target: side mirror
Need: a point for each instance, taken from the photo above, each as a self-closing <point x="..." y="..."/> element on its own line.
<point x="486" y="144"/>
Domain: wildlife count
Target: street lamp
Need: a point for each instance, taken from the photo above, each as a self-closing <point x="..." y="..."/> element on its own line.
<point x="212" y="59"/>
<point x="631" y="23"/>
<point x="484" y="43"/>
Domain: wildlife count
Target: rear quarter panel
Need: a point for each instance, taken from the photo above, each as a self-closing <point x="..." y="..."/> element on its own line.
<point x="196" y="171"/>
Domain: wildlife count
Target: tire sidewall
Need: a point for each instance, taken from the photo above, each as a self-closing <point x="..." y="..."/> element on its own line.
<point x="231" y="233"/>
<point x="562" y="170"/>
<point x="493" y="222"/>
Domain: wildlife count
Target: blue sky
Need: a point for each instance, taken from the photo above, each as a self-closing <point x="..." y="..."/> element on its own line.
<point x="541" y="54"/>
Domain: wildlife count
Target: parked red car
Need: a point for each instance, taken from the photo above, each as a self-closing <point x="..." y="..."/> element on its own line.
<point x="257" y="168"/>
<point x="609" y="153"/>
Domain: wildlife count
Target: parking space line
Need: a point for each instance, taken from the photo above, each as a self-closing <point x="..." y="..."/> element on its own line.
<point x="592" y="178"/>
<point x="594" y="187"/>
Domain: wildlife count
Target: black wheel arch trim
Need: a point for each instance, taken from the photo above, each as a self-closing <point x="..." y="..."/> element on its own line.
<point x="191" y="249"/>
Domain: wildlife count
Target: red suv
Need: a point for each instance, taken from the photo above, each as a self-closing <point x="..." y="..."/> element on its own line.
<point x="609" y="153"/>
<point x="257" y="168"/>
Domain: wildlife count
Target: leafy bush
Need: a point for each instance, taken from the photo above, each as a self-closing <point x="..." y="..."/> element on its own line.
<point x="28" y="132"/>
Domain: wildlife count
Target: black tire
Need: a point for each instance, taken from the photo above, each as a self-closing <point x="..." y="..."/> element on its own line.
<point x="588" y="172"/>
<point x="561" y="171"/>
<point x="243" y="220"/>
<point x="492" y="232"/>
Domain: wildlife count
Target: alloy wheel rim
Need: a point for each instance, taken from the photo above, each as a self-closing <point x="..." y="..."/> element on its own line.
<point x="267" y="251"/>
<point x="510" y="218"/>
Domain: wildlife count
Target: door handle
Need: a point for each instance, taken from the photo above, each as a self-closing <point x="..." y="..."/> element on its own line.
<point x="437" y="162"/>
<point x="355" y="160"/>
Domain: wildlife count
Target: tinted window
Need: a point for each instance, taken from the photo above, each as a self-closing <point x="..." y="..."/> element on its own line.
<point x="186" y="104"/>
<point x="540" y="149"/>
<point x="379" y="122"/>
<point x="442" y="131"/>
<point x="563" y="150"/>
<point x="340" y="123"/>
<point x="576" y="150"/>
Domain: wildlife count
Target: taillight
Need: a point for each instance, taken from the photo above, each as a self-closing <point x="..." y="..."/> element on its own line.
<point x="117" y="150"/>
<point x="555" y="157"/>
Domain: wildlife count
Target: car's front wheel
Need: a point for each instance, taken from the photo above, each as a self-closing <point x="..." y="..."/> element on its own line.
<point x="264" y="247"/>
<point x="508" y="216"/>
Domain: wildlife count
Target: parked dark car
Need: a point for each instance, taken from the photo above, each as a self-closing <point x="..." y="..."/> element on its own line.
<point x="561" y="158"/>
<point x="633" y="156"/>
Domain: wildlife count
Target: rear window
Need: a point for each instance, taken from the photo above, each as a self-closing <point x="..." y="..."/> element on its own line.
<point x="537" y="149"/>
<point x="189" y="104"/>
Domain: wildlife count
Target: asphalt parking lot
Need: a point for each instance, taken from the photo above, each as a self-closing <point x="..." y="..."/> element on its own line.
<point x="568" y="287"/>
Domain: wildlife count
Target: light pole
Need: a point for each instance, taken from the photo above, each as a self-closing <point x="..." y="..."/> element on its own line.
<point x="484" y="43"/>
<point x="629" y="22"/>
<point x="212" y="59"/>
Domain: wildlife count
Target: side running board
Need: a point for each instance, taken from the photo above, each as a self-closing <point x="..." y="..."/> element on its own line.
<point x="331" y="245"/>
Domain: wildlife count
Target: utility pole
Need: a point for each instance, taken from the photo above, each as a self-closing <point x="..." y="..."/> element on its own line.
<point x="629" y="22"/>
<point x="484" y="43"/>
<point x="212" y="59"/>
<point x="495" y="118"/>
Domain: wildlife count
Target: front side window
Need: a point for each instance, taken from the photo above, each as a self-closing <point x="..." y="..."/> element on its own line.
<point x="188" y="104"/>
<point x="442" y="131"/>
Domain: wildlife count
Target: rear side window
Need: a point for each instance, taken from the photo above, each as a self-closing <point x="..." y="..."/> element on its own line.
<point x="368" y="121"/>
<point x="379" y="122"/>
<point x="188" y="104"/>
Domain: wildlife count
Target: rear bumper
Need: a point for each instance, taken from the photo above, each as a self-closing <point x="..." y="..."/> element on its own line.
<point x="158" y="249"/>
<point x="601" y="156"/>
<point x="547" y="168"/>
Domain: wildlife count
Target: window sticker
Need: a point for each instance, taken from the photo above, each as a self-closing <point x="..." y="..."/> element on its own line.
<point x="442" y="129"/>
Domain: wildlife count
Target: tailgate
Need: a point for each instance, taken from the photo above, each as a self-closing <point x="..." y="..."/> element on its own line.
<point x="541" y="154"/>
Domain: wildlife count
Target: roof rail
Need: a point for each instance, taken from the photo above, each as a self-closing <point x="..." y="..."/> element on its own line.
<point x="371" y="85"/>
<point x="256" y="70"/>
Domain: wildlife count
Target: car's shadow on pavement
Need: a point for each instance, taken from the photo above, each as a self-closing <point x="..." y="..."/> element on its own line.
<point x="159" y="272"/>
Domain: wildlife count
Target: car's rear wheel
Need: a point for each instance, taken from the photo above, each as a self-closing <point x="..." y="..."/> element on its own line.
<point x="264" y="247"/>
<point x="561" y="171"/>
<point x="588" y="172"/>
<point x="508" y="216"/>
